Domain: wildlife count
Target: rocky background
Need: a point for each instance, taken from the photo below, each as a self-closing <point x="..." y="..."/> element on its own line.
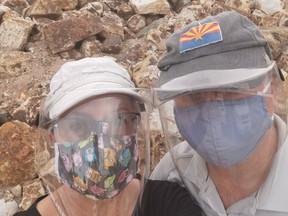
<point x="37" y="36"/>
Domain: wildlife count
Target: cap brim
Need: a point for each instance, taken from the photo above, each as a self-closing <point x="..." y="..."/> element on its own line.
<point x="69" y="100"/>
<point x="212" y="79"/>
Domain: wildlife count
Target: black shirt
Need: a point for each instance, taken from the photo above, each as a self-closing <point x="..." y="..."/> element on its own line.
<point x="32" y="211"/>
<point x="163" y="198"/>
<point x="160" y="198"/>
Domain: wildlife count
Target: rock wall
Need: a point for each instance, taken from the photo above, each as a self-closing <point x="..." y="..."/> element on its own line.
<point x="37" y="36"/>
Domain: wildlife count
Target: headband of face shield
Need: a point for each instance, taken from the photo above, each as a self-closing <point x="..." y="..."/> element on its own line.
<point x="95" y="145"/>
<point x="224" y="126"/>
<point x="237" y="80"/>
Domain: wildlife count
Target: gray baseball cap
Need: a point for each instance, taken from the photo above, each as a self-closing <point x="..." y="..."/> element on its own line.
<point x="218" y="51"/>
<point x="77" y="81"/>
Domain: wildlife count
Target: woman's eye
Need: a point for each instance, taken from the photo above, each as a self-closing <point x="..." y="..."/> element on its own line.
<point x="78" y="126"/>
<point x="134" y="118"/>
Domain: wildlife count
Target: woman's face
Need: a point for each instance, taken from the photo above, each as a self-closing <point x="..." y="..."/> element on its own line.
<point x="121" y="114"/>
<point x="100" y="139"/>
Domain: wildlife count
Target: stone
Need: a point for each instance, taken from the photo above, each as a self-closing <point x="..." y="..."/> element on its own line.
<point x="134" y="51"/>
<point x="14" y="63"/>
<point x="14" y="33"/>
<point x="177" y="5"/>
<point x="67" y="4"/>
<point x="112" y="44"/>
<point x="283" y="61"/>
<point x="125" y="11"/>
<point x="64" y="34"/>
<point x="145" y="72"/>
<point x="243" y="5"/>
<point x="16" y="5"/>
<point x="268" y="6"/>
<point x="16" y="191"/>
<point x="17" y="146"/>
<point x="5" y="116"/>
<point x="43" y="8"/>
<point x="8" y="208"/>
<point x="3" y="10"/>
<point x="90" y="47"/>
<point x="112" y="25"/>
<point x="95" y="8"/>
<point x="150" y="6"/>
<point x="277" y="38"/>
<point x="31" y="191"/>
<point x="136" y="23"/>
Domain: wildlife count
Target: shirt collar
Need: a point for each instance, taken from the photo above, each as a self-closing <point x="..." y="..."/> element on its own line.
<point x="273" y="194"/>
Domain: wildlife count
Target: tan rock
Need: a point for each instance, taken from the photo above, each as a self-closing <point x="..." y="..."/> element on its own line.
<point x="44" y="8"/>
<point x="62" y="35"/>
<point x="136" y="22"/>
<point x="31" y="191"/>
<point x="150" y="6"/>
<point x="145" y="72"/>
<point x="277" y="39"/>
<point x="134" y="51"/>
<point x="90" y="46"/>
<point x="125" y="11"/>
<point x="243" y="5"/>
<point x="17" y="144"/>
<point x="14" y="63"/>
<point x="67" y="4"/>
<point x="14" y="33"/>
<point x="112" y="24"/>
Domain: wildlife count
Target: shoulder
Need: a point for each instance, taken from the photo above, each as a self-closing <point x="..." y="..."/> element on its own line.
<point x="167" y="198"/>
<point x="165" y="169"/>
<point x="32" y="210"/>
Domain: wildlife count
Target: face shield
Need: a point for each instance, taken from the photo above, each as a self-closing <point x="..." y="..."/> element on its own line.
<point x="223" y="123"/>
<point x="94" y="157"/>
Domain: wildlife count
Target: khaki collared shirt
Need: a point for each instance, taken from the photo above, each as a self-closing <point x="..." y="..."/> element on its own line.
<point x="270" y="200"/>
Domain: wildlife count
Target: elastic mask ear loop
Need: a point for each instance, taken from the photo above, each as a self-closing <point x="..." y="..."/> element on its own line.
<point x="267" y="87"/>
<point x="264" y="91"/>
<point x="57" y="206"/>
<point x="56" y="166"/>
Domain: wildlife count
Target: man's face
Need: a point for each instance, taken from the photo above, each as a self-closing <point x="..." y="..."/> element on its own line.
<point x="183" y="101"/>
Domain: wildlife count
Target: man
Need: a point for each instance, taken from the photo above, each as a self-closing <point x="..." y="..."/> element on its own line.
<point x="219" y="83"/>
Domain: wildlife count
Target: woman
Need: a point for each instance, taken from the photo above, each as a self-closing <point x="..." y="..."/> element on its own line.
<point x="94" y="130"/>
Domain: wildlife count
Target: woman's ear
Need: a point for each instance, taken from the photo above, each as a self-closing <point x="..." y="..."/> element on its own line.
<point x="52" y="137"/>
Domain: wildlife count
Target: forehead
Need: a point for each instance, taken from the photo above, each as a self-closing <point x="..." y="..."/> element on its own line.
<point x="105" y="105"/>
<point x="216" y="94"/>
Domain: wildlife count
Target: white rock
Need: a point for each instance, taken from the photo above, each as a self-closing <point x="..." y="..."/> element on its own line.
<point x="270" y="7"/>
<point x="150" y="6"/>
<point x="8" y="208"/>
<point x="16" y="191"/>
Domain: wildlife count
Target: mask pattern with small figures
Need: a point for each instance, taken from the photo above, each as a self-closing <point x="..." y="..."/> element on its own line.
<point x="100" y="166"/>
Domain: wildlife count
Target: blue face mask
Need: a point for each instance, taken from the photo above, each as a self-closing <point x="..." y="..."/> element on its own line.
<point x="226" y="132"/>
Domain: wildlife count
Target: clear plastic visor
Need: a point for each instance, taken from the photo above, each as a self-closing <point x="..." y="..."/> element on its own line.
<point x="117" y="115"/>
<point x="233" y="80"/>
<point x="220" y="130"/>
<point x="95" y="157"/>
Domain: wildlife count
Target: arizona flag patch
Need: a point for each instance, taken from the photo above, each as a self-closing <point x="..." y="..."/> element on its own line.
<point x="199" y="36"/>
